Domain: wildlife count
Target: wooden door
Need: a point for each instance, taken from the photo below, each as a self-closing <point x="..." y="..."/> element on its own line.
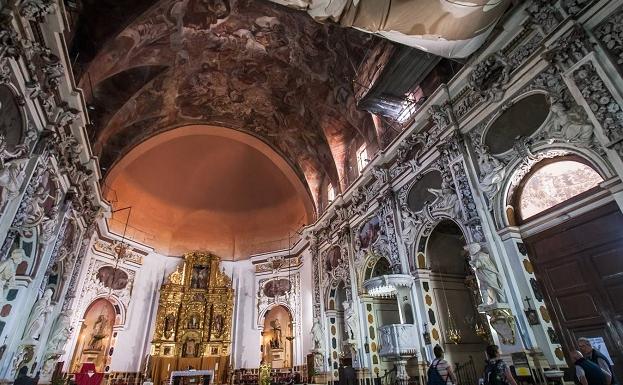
<point x="579" y="265"/>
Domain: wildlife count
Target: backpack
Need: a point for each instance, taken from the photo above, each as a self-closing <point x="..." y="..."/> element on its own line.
<point x="434" y="378"/>
<point x="494" y="375"/>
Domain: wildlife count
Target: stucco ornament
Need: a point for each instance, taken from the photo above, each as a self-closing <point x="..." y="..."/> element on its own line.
<point x="492" y="172"/>
<point x="446" y="201"/>
<point x="8" y="270"/>
<point x="38" y="316"/>
<point x="487" y="274"/>
<point x="569" y="125"/>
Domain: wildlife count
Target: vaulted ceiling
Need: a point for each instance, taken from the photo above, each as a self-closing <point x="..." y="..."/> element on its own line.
<point x="251" y="66"/>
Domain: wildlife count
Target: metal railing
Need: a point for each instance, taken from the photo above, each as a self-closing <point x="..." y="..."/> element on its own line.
<point x="466" y="373"/>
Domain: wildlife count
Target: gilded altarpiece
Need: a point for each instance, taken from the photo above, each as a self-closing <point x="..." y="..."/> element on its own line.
<point x="193" y="323"/>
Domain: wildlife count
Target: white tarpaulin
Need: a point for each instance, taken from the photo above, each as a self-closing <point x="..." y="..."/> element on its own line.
<point x="448" y="28"/>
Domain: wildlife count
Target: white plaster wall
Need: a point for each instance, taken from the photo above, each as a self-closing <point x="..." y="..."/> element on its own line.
<point x="307" y="304"/>
<point x="246" y="336"/>
<point x="133" y="343"/>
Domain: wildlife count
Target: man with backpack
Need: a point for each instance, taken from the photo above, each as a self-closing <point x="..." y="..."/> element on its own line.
<point x="440" y="371"/>
<point x="587" y="372"/>
<point x="496" y="371"/>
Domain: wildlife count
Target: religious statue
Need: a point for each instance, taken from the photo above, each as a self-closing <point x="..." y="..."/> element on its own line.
<point x="276" y="325"/>
<point x="446" y="200"/>
<point x="8" y="269"/>
<point x="190" y="348"/>
<point x="38" y="316"/>
<point x="98" y="333"/>
<point x="487" y="274"/>
<point x="318" y="335"/>
<point x="199" y="279"/>
<point x="11" y="175"/>
<point x="492" y="172"/>
<point x="350" y="321"/>
<point x="35" y="212"/>
<point x="264" y="373"/>
<point x="409" y="226"/>
<point x="60" y="334"/>
<point x="217" y="327"/>
<point x="169" y="325"/>
<point x="193" y="322"/>
<point x="569" y="125"/>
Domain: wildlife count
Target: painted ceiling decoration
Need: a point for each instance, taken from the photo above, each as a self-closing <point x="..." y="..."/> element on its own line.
<point x="448" y="28"/>
<point x="251" y="66"/>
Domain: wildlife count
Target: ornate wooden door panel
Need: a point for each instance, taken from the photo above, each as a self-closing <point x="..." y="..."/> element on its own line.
<point x="580" y="267"/>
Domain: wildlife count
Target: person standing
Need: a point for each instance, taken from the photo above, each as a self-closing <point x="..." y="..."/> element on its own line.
<point x="443" y="368"/>
<point x="496" y="371"/>
<point x="597" y="357"/>
<point x="587" y="372"/>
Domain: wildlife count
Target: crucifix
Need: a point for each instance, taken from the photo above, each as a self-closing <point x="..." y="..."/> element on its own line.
<point x="527" y="300"/>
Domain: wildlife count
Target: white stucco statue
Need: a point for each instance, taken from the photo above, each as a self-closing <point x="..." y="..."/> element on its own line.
<point x="409" y="227"/>
<point x="60" y="334"/>
<point x="318" y="335"/>
<point x="38" y="316"/>
<point x="492" y="172"/>
<point x="350" y="321"/>
<point x="11" y="177"/>
<point x="446" y="200"/>
<point x="8" y="270"/>
<point x="487" y="274"/>
<point x="569" y="125"/>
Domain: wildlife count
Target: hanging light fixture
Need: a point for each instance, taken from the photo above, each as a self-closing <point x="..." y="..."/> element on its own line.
<point x="452" y="332"/>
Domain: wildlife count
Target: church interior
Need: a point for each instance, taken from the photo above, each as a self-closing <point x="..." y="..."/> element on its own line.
<point x="271" y="192"/>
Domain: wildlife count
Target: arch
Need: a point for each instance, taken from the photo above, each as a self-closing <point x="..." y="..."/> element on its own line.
<point x="522" y="167"/>
<point x="566" y="177"/>
<point x="96" y="338"/>
<point x="446" y="239"/>
<point x="337" y="293"/>
<point x="278" y="328"/>
<point x="422" y="240"/>
<point x="236" y="135"/>
<point x="262" y="314"/>
<point x="236" y="200"/>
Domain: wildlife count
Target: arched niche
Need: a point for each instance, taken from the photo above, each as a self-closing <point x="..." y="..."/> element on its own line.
<point x="95" y="337"/>
<point x="522" y="119"/>
<point x="277" y="337"/>
<point x="418" y="194"/>
<point x="377" y="267"/>
<point x="452" y="299"/>
<point x="336" y="296"/>
<point x="444" y="248"/>
<point x="551" y="184"/>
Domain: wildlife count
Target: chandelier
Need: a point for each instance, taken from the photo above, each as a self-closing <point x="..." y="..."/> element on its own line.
<point x="453" y="333"/>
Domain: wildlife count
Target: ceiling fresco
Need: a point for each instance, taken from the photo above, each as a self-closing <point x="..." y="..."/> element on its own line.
<point x="247" y="65"/>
